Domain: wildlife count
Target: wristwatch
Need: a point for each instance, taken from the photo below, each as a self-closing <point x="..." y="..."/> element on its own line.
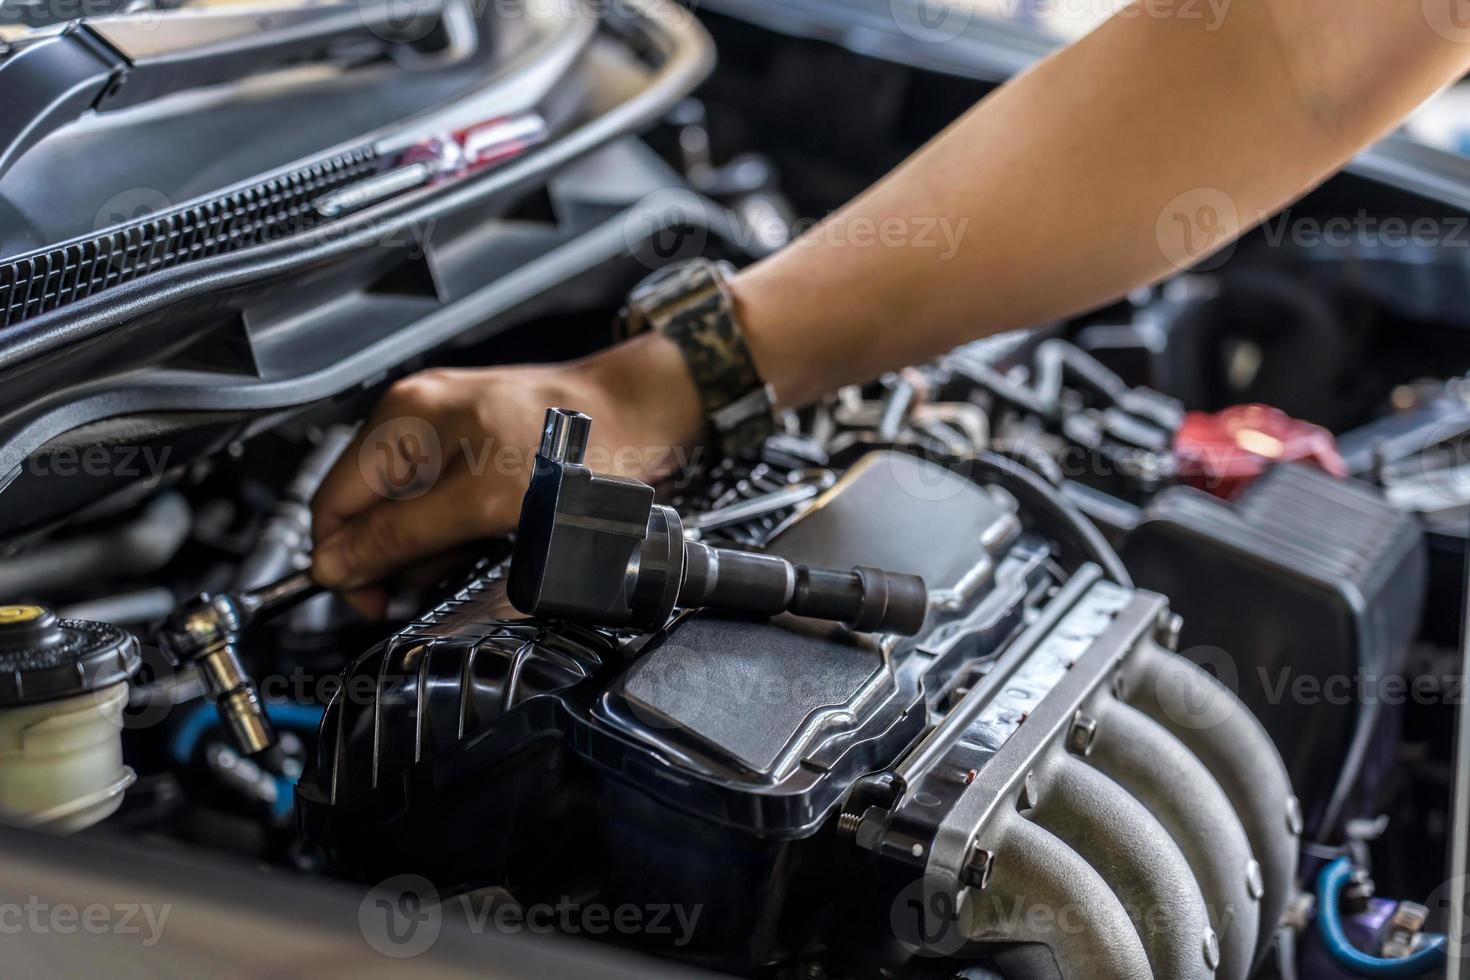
<point x="691" y="305"/>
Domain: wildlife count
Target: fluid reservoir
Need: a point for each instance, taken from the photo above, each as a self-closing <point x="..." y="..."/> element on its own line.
<point x="63" y="688"/>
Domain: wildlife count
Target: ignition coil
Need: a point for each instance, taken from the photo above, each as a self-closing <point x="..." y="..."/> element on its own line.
<point x="596" y="549"/>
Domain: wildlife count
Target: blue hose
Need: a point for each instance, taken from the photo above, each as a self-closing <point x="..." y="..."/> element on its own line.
<point x="184" y="739"/>
<point x="1429" y="956"/>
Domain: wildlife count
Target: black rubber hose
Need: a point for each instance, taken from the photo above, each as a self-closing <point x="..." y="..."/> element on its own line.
<point x="140" y="546"/>
<point x="1352" y="767"/>
<point x="1055" y="357"/>
<point x="1053" y="514"/>
<point x="287" y="532"/>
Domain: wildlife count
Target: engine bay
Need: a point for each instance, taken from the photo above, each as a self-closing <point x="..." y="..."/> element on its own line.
<point x="1195" y="567"/>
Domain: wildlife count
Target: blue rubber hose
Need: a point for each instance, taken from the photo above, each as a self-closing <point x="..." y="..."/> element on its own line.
<point x="1429" y="956"/>
<point x="202" y="719"/>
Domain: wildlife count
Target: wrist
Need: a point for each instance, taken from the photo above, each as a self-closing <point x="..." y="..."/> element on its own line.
<point x="765" y="319"/>
<point x="643" y="399"/>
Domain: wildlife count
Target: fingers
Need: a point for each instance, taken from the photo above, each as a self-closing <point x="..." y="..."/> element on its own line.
<point x="384" y="537"/>
<point x="371" y="603"/>
<point x="393" y="533"/>
<point x="397" y="455"/>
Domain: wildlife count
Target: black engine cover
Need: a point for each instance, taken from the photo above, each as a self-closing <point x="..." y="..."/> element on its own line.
<point x="695" y="765"/>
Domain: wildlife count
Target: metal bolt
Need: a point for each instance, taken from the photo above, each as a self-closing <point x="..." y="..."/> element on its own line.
<point x="1212" y="949"/>
<point x="1029" y="797"/>
<point x="1167" y="629"/>
<point x="1082" y="734"/>
<point x="847" y="824"/>
<point x="1294" y="816"/>
<point x="978" y="865"/>
<point x="1255" y="882"/>
<point x="1299" y="911"/>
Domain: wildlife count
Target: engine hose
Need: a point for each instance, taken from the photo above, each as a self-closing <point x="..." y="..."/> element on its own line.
<point x="1340" y="948"/>
<point x="1054" y="357"/>
<point x="202" y="719"/>
<point x="141" y="546"/>
<point x="287" y="532"/>
<point x="1052" y="361"/>
<point x="1286" y="953"/>
<point x="1352" y="767"/>
<point x="1056" y="515"/>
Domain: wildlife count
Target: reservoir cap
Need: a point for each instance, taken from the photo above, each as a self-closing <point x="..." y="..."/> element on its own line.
<point x="45" y="658"/>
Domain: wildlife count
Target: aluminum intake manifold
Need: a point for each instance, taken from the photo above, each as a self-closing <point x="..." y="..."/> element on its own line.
<point x="1128" y="816"/>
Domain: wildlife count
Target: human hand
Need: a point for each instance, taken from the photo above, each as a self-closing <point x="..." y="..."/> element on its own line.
<point x="446" y="456"/>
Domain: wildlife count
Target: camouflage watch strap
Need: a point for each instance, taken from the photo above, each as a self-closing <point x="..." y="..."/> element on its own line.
<point x="691" y="305"/>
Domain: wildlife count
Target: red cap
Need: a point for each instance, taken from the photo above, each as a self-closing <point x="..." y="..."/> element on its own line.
<point x="1221" y="452"/>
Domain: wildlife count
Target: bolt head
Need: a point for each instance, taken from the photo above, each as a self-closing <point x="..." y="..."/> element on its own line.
<point x="978" y="866"/>
<point x="1294" y="816"/>
<point x="1255" y="881"/>
<point x="1167" y="629"/>
<point x="1082" y="734"/>
<point x="1029" y="796"/>
<point x="1212" y="949"/>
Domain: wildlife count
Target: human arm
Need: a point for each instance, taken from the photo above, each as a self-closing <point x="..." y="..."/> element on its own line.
<point x="1060" y="187"/>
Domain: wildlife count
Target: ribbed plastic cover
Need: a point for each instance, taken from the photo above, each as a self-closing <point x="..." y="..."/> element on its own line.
<point x="1298" y="593"/>
<point x="275" y="208"/>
